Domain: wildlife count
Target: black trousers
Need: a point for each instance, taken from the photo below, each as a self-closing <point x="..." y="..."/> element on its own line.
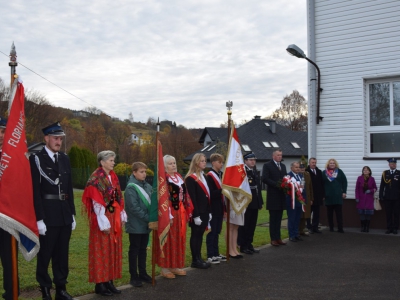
<point x="246" y="232"/>
<point x="196" y="236"/>
<point x="392" y="208"/>
<point x="6" y="262"/>
<point x="54" y="246"/>
<point x="337" y="208"/>
<point x="137" y="254"/>
<point x="275" y="219"/>
<point x="315" y="209"/>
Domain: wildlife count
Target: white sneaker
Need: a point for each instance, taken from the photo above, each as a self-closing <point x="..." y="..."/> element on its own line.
<point x="213" y="260"/>
<point x="221" y="257"/>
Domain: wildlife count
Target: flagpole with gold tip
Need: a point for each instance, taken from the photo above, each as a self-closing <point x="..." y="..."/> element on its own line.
<point x="13" y="64"/>
<point x="229" y="105"/>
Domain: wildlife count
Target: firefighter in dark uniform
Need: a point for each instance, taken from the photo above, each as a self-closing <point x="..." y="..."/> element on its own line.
<point x="54" y="206"/>
<point x="389" y="192"/>
<point x="5" y="240"/>
<point x="246" y="232"/>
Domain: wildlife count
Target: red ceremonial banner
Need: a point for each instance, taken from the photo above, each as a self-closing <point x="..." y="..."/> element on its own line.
<point x="17" y="213"/>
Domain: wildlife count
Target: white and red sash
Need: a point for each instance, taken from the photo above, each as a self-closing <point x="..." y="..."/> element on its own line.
<point x="217" y="182"/>
<point x="203" y="186"/>
<point x="216" y="178"/>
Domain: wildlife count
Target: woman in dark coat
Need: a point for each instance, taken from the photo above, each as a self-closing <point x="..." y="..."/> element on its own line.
<point x="199" y="193"/>
<point x="335" y="184"/>
<point x="365" y="189"/>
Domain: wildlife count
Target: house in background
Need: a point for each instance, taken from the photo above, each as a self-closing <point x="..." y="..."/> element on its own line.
<point x="259" y="136"/>
<point x="356" y="46"/>
<point x="135" y="138"/>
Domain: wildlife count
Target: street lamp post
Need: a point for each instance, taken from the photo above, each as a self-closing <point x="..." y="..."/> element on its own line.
<point x="296" y="51"/>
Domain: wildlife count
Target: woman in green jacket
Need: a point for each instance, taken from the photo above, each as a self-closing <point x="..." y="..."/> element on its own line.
<point x="137" y="207"/>
<point x="335" y="184"/>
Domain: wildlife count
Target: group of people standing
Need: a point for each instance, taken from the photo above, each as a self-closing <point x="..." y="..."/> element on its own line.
<point x="196" y="200"/>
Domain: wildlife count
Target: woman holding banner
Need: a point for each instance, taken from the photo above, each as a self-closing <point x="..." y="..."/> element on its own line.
<point x="199" y="193"/>
<point x="104" y="205"/>
<point x="172" y="260"/>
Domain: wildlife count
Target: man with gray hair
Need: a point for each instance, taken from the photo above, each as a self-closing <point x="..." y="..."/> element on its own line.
<point x="55" y="209"/>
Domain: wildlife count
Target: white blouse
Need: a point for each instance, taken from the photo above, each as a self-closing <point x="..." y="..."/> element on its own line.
<point x="100" y="212"/>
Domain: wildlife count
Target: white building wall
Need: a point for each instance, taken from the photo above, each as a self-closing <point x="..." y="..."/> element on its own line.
<point x="354" y="39"/>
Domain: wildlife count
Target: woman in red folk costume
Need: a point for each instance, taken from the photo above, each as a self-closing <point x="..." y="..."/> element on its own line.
<point x="104" y="205"/>
<point x="180" y="209"/>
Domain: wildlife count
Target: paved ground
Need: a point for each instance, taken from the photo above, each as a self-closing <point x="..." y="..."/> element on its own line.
<point x="324" y="266"/>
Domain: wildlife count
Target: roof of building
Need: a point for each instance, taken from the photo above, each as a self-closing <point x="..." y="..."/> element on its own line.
<point x="215" y="133"/>
<point x="257" y="136"/>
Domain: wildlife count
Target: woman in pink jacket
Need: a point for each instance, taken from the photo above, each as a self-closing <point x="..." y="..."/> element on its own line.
<point x="365" y="189"/>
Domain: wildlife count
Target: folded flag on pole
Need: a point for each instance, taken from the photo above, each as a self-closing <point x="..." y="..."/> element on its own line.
<point x="235" y="185"/>
<point x="17" y="213"/>
<point x="159" y="210"/>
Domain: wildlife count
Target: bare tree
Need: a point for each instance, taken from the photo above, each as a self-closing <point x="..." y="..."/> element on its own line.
<point x="293" y="112"/>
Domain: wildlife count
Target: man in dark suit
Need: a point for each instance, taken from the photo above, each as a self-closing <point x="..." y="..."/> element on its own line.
<point x="5" y="239"/>
<point x="246" y="232"/>
<point x="54" y="206"/>
<point x="318" y="192"/>
<point x="273" y="172"/>
<point x="389" y="192"/>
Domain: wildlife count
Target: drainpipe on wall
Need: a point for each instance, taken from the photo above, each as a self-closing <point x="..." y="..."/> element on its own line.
<point x="312" y="90"/>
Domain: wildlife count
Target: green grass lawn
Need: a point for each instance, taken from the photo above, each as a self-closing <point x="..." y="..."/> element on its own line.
<point x="78" y="276"/>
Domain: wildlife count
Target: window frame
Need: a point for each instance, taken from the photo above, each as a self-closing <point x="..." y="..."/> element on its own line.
<point x="391" y="128"/>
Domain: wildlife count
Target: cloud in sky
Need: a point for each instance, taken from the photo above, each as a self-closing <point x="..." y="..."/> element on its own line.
<point x="177" y="60"/>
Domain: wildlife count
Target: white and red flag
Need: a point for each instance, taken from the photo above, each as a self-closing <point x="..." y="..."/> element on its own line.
<point x="235" y="185"/>
<point x="17" y="213"/>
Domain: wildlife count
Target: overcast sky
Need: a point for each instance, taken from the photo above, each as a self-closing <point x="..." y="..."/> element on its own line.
<point x="176" y="60"/>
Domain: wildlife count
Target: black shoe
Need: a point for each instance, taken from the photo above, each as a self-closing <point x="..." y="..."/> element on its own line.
<point x="298" y="238"/>
<point x="146" y="278"/>
<point x="317" y="231"/>
<point x="388" y="231"/>
<point x="362" y="226"/>
<point x="46" y="295"/>
<point x="394" y="231"/>
<point x="340" y="230"/>
<point x="293" y="240"/>
<point x="101" y="289"/>
<point x="235" y="256"/>
<point x="110" y="286"/>
<point x="136" y="283"/>
<point x="247" y="251"/>
<point x="310" y="231"/>
<point x="254" y="250"/>
<point x="198" y="264"/>
<point x="205" y="262"/>
<point x="367" y="222"/>
<point x="63" y="295"/>
<point x="331" y="229"/>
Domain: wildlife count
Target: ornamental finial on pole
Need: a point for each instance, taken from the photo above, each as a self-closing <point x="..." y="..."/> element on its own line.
<point x="13" y="56"/>
<point x="229" y="105"/>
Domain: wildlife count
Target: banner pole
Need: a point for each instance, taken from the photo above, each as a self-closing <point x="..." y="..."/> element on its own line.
<point x="153" y="250"/>
<point x="13" y="64"/>
<point x="228" y="204"/>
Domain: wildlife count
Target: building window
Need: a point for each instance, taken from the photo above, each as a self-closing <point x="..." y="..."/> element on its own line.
<point x="204" y="148"/>
<point x="383" y="124"/>
<point x="274" y="144"/>
<point x="246" y="147"/>
<point x="212" y="147"/>
<point x="267" y="145"/>
<point x="266" y="124"/>
<point x="294" y="144"/>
